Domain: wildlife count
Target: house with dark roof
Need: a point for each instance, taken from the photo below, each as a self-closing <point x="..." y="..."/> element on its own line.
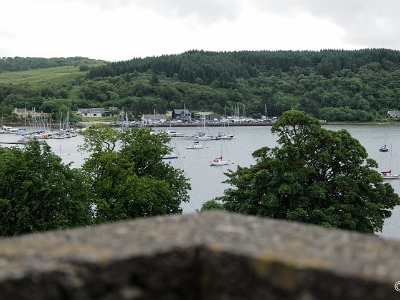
<point x="182" y="114"/>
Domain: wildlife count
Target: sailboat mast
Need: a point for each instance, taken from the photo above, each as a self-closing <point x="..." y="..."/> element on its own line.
<point x="266" y="111"/>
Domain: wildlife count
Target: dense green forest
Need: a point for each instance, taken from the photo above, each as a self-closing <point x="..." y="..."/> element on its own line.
<point x="14" y="64"/>
<point x="334" y="85"/>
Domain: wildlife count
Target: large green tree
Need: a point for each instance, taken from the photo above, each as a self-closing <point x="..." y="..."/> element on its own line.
<point x="314" y="176"/>
<point x="38" y="192"/>
<point x="127" y="175"/>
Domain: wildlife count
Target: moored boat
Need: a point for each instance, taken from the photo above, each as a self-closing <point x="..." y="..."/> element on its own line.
<point x="223" y="136"/>
<point x="389" y="175"/>
<point x="170" y="156"/>
<point x="383" y="149"/>
<point x="196" y="145"/>
<point x="201" y="136"/>
<point x="172" y="133"/>
<point x="218" y="162"/>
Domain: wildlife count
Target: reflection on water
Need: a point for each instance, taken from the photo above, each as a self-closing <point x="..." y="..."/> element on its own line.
<point x="207" y="180"/>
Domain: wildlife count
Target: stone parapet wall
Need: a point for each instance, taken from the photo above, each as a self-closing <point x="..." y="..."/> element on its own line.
<point x="209" y="255"/>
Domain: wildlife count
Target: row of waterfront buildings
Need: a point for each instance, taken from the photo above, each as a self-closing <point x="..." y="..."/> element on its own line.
<point x="179" y="115"/>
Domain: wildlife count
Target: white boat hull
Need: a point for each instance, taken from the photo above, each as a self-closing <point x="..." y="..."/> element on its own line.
<point x="203" y="138"/>
<point x="175" y="134"/>
<point x="218" y="162"/>
<point x="389" y="175"/>
<point x="195" y="145"/>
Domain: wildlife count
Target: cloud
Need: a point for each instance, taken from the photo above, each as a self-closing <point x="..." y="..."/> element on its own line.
<point x="123" y="29"/>
<point x="364" y="22"/>
<point x="199" y="11"/>
<point x="6" y="33"/>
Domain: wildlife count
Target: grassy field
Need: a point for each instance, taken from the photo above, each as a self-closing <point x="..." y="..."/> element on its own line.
<point x="52" y="75"/>
<point x="98" y="119"/>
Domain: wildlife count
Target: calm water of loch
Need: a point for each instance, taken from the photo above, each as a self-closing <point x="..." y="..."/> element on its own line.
<point x="206" y="181"/>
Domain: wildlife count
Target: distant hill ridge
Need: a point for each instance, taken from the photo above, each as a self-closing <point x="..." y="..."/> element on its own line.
<point x="333" y="85"/>
<point x="14" y="64"/>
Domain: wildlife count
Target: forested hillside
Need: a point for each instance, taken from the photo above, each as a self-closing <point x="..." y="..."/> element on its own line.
<point x="336" y="85"/>
<point x="14" y="64"/>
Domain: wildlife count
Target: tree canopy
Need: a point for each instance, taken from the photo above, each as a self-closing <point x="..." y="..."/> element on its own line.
<point x="16" y="64"/>
<point x="127" y="175"/>
<point x="315" y="176"/>
<point x="38" y="192"/>
<point x="124" y="178"/>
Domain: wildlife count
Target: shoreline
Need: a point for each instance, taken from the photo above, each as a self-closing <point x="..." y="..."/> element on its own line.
<point x="199" y="125"/>
<point x="84" y="124"/>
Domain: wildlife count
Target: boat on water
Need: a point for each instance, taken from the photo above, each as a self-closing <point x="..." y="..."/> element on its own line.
<point x="384" y="149"/>
<point x="218" y="162"/>
<point x="196" y="145"/>
<point x="8" y="129"/>
<point x="170" y="156"/>
<point x="223" y="136"/>
<point x="21" y="131"/>
<point x="389" y="175"/>
<point x="25" y="140"/>
<point x="173" y="133"/>
<point x="202" y="136"/>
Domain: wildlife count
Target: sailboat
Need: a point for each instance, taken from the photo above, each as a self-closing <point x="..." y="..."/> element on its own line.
<point x="384" y="148"/>
<point x="223" y="135"/>
<point x="170" y="155"/>
<point x="196" y="145"/>
<point x="173" y="133"/>
<point x="389" y="174"/>
<point x="202" y="135"/>
<point x="219" y="161"/>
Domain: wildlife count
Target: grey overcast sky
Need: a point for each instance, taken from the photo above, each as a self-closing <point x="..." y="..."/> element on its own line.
<point x="117" y="30"/>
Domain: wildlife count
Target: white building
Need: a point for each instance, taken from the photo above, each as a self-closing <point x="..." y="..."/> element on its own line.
<point x="91" y="112"/>
<point x="394" y="113"/>
<point x="153" y="119"/>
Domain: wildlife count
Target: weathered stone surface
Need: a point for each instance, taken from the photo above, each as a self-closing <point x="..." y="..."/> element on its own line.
<point x="212" y="255"/>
